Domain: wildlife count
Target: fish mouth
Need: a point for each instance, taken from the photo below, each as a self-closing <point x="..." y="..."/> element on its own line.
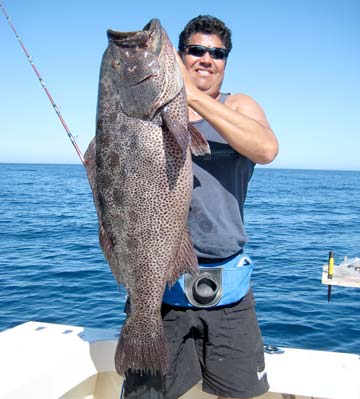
<point x="143" y="80"/>
<point x="148" y="38"/>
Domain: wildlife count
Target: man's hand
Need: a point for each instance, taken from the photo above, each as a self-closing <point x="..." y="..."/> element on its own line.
<point x="190" y="88"/>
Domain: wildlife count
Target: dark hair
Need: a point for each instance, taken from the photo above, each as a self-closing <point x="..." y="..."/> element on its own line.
<point x="209" y="25"/>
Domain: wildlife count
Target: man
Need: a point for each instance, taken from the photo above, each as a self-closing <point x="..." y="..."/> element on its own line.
<point x="218" y="341"/>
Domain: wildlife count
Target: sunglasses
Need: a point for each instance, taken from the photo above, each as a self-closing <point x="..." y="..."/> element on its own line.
<point x="215" y="53"/>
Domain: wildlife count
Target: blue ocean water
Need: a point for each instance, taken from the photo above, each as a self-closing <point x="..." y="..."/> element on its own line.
<point x="52" y="269"/>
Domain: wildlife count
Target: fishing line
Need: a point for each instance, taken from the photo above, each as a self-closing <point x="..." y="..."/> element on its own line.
<point x="56" y="108"/>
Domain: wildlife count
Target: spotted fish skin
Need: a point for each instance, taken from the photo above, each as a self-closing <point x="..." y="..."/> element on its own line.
<point x="139" y="169"/>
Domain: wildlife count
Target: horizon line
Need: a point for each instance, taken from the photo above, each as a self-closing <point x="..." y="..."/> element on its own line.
<point x="258" y="166"/>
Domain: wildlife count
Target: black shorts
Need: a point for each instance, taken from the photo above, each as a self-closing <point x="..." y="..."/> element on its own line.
<point x="222" y="346"/>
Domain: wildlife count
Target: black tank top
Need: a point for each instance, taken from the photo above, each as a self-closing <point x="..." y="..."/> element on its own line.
<point x="216" y="218"/>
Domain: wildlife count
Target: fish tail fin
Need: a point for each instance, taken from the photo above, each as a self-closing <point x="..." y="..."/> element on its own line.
<point x="199" y="144"/>
<point x="185" y="261"/>
<point x="147" y="352"/>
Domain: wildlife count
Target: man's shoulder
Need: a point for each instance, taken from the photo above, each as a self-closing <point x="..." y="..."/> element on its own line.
<point x="246" y="105"/>
<point x="240" y="100"/>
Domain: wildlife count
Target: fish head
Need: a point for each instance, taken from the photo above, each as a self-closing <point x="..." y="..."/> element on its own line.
<point x="143" y="69"/>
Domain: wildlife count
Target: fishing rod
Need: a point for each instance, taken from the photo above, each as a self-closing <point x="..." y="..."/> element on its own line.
<point x="56" y="108"/>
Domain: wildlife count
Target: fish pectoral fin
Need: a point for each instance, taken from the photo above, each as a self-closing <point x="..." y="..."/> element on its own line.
<point x="179" y="131"/>
<point x="185" y="261"/>
<point x="199" y="144"/>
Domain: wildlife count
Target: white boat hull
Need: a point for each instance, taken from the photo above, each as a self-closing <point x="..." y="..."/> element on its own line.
<point x="52" y="361"/>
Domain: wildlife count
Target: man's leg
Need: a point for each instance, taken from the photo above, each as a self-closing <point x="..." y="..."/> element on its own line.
<point x="234" y="365"/>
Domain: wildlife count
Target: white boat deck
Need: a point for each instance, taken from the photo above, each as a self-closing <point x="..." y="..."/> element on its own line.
<point x="51" y="361"/>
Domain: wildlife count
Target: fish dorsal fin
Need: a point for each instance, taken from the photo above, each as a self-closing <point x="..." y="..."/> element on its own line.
<point x="199" y="144"/>
<point x="90" y="165"/>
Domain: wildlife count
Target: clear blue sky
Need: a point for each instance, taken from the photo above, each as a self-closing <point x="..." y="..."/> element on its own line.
<point x="299" y="59"/>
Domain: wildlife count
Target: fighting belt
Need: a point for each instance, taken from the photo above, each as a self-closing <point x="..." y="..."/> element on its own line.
<point x="217" y="284"/>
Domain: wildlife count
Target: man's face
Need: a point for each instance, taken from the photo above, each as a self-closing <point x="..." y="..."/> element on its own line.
<point x="206" y="73"/>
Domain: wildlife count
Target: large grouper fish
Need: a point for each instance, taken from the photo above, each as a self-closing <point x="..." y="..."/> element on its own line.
<point x="140" y="171"/>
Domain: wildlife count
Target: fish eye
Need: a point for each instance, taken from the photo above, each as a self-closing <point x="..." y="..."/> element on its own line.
<point x="116" y="64"/>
